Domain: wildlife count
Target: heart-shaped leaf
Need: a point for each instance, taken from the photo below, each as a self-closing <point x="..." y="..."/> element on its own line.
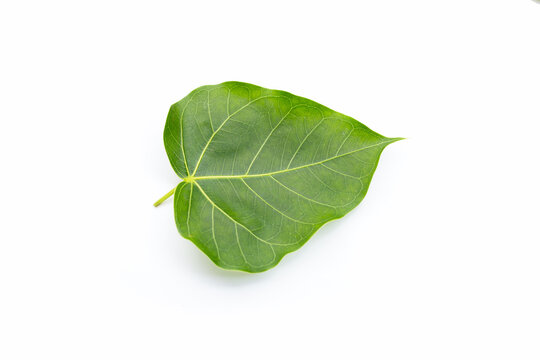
<point x="262" y="170"/>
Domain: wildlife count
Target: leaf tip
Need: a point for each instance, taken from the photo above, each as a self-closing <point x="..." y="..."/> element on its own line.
<point x="392" y="140"/>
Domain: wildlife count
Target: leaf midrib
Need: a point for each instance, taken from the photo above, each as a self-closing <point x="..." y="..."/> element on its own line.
<point x="244" y="176"/>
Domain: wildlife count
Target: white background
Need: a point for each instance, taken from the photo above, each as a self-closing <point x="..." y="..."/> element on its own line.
<point x="440" y="261"/>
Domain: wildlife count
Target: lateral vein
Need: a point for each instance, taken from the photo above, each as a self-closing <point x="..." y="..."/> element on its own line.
<point x="222" y="124"/>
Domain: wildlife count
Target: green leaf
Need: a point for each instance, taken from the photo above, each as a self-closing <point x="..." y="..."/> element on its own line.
<point x="263" y="170"/>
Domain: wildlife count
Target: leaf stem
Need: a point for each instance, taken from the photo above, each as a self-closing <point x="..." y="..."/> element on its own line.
<point x="165" y="197"/>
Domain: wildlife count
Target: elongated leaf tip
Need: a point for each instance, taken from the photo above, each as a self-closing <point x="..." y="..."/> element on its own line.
<point x="393" y="140"/>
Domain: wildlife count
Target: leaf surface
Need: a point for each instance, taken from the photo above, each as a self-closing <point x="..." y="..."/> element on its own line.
<point x="263" y="170"/>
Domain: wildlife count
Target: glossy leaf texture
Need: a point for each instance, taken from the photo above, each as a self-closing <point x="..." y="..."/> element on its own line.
<point x="263" y="170"/>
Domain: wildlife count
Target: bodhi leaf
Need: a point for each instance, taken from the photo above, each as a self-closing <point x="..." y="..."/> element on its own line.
<point x="263" y="170"/>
